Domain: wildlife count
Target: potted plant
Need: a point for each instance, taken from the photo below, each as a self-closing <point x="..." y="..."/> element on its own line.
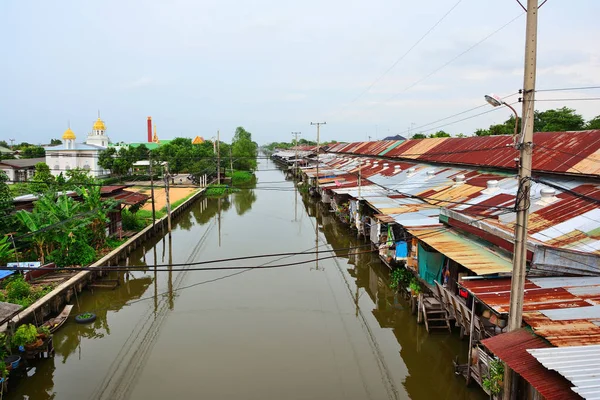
<point x="415" y="287"/>
<point x="494" y="382"/>
<point x="26" y="338"/>
<point x="43" y="332"/>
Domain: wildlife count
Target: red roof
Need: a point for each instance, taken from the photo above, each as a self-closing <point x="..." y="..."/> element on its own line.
<point x="577" y="295"/>
<point x="512" y="349"/>
<point x="562" y="152"/>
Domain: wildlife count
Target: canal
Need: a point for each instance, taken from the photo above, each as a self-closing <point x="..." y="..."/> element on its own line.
<point x="326" y="330"/>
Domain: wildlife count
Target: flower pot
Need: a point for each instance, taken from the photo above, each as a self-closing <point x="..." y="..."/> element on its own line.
<point x="12" y="362"/>
<point x="34" y="345"/>
<point x="42" y="336"/>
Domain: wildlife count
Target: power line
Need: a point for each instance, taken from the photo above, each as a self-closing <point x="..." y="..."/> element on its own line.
<point x="178" y="269"/>
<point x="454" y="58"/>
<point x="568" y="89"/>
<point x="406" y="53"/>
<point x="580" y="99"/>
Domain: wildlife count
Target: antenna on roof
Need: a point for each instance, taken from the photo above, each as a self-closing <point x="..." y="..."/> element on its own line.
<point x="69" y="123"/>
<point x="98" y="113"/>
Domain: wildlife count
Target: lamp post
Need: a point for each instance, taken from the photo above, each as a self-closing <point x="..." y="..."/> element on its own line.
<point x="496" y="101"/>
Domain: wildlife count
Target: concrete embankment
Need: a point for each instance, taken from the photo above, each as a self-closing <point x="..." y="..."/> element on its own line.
<point x="64" y="292"/>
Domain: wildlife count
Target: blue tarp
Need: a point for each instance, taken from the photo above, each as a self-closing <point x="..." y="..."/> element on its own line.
<point x="430" y="265"/>
<point x="5" y="273"/>
<point x="401" y="250"/>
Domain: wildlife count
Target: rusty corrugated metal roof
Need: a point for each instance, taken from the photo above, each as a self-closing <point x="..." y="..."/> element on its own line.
<point x="565" y="221"/>
<point x="543" y="295"/>
<point x="557" y="152"/>
<point x="472" y="255"/>
<point x="512" y="349"/>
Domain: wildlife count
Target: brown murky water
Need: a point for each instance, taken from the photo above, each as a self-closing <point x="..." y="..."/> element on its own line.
<point x="332" y="331"/>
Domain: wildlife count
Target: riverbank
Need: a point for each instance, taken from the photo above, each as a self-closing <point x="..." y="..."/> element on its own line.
<point x="63" y="293"/>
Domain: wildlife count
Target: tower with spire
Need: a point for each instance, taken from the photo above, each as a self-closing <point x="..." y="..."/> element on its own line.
<point x="69" y="138"/>
<point x="98" y="136"/>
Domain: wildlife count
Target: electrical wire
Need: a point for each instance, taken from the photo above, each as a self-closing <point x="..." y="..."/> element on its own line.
<point x="580" y="99"/>
<point x="403" y="56"/>
<point x="179" y="269"/>
<point x="454" y="58"/>
<point x="568" y="89"/>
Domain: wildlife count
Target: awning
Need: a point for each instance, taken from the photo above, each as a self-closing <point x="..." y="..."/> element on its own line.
<point x="512" y="349"/>
<point x="472" y="255"/>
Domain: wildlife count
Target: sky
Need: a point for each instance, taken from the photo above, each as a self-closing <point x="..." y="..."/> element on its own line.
<point x="271" y="66"/>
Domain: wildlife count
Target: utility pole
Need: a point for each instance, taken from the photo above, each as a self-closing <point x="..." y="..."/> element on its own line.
<point x="167" y="197"/>
<point x="152" y="190"/>
<point x="12" y="143"/>
<point x="525" y="145"/>
<point x="296" y="134"/>
<point x="218" y="160"/>
<point x="318" y="124"/>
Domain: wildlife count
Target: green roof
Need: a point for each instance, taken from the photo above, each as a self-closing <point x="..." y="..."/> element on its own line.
<point x="5" y="150"/>
<point x="150" y="146"/>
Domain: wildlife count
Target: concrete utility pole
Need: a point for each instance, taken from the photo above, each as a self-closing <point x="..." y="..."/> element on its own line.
<point x="296" y="134"/>
<point x="152" y="190"/>
<point x="167" y="197"/>
<point x="218" y="160"/>
<point x="525" y="145"/>
<point x="318" y="124"/>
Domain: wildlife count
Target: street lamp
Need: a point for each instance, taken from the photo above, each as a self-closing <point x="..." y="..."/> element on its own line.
<point x="496" y="101"/>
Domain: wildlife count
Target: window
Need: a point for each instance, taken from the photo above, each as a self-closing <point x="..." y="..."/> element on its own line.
<point x="56" y="167"/>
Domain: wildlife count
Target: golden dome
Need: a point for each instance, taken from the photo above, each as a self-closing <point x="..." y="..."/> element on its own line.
<point x="99" y="125"/>
<point x="198" y="140"/>
<point x="68" y="135"/>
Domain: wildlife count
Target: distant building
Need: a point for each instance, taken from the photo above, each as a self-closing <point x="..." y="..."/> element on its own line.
<point x="20" y="170"/>
<point x="5" y="152"/>
<point x="396" y="137"/>
<point x="71" y="155"/>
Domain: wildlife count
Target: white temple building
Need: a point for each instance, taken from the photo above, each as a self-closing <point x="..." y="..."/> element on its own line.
<point x="71" y="155"/>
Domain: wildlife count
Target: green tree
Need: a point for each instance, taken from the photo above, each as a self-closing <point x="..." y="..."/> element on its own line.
<point x="418" y="136"/>
<point x="439" y="134"/>
<point x="244" y="150"/>
<point x="42" y="179"/>
<point x="76" y="177"/>
<point x="558" y="120"/>
<point x="6" y="205"/>
<point x="33" y="152"/>
<point x="4" y="144"/>
<point x="106" y="158"/>
<point x="55" y="142"/>
<point x="593" y="123"/>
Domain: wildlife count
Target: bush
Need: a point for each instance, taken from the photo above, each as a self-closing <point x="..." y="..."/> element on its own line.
<point x="17" y="289"/>
<point x="77" y="253"/>
<point x="25" y="334"/>
<point x="131" y="221"/>
<point x="239" y="177"/>
<point x="219" y="190"/>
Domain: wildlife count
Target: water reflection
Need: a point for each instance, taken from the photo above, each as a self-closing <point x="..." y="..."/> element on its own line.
<point x="167" y="337"/>
<point x="428" y="357"/>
